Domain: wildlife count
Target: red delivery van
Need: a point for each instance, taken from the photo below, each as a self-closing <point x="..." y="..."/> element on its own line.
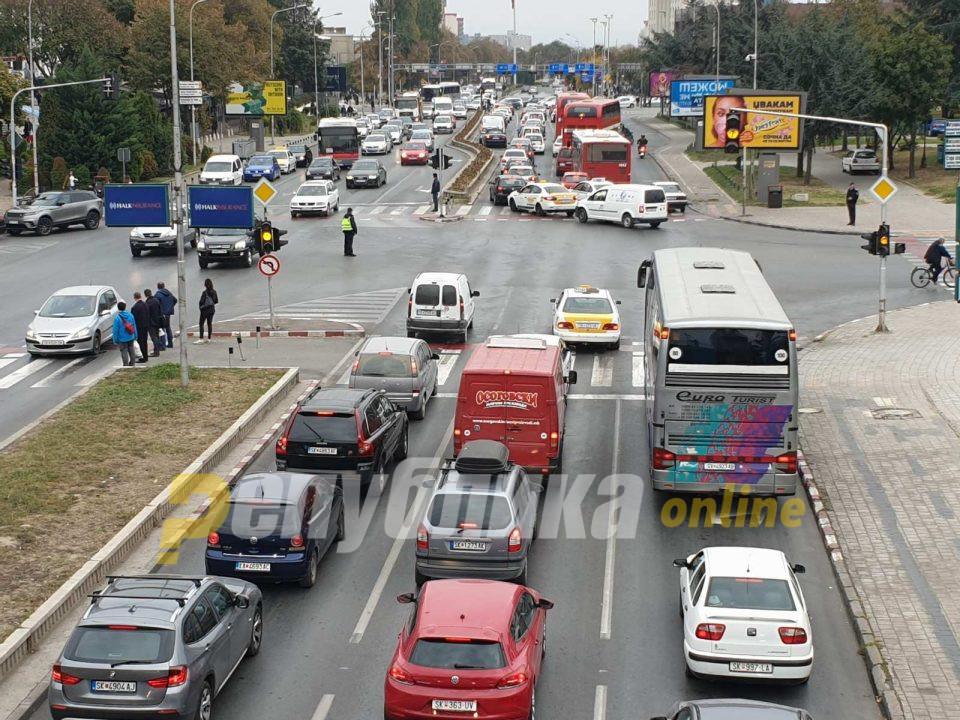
<point x="513" y="390"/>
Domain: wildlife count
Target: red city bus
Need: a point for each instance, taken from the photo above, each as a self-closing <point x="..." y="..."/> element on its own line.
<point x="340" y="139"/>
<point x="562" y="100"/>
<point x="592" y="114"/>
<point x="602" y="153"/>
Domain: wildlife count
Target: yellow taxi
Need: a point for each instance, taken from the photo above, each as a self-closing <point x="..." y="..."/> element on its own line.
<point x="285" y="159"/>
<point x="588" y="315"/>
<point x="542" y="198"/>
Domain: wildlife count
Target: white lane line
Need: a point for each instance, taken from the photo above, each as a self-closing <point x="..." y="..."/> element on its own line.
<point x="485" y="210"/>
<point x="345" y="378"/>
<point x="600" y="703"/>
<point x="94" y="377"/>
<point x="606" y="601"/>
<point x="59" y="373"/>
<point x="346" y="358"/>
<point x="445" y="366"/>
<point x="323" y="708"/>
<point x="15" y="355"/>
<point x="421" y="210"/>
<point x="26" y="371"/>
<point x="602" y="371"/>
<point x="378" y="209"/>
<point x="464" y="209"/>
<point x="638" y="369"/>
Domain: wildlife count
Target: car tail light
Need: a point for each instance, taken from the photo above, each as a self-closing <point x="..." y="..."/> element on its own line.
<point x="663" y="459"/>
<point x="398" y="674"/>
<point x="354" y="366"/>
<point x="611" y="326"/>
<point x="513" y="680"/>
<point x="296" y="541"/>
<point x="456" y="432"/>
<point x="364" y="447"/>
<point x="59" y="676"/>
<point x="213" y="539"/>
<point x="413" y="366"/>
<point x="423" y="537"/>
<point x="564" y="325"/>
<point x="281" y="447"/>
<point x="515" y="541"/>
<point x="640" y="210"/>
<point x="175" y="677"/>
<point x="710" y="631"/>
<point x="793" y="635"/>
<point x="550" y="198"/>
<point x="786" y="463"/>
<point x="554" y="438"/>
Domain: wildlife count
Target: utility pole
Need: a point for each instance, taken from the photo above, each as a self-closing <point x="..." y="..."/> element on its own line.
<point x="193" y="108"/>
<point x="514" y="40"/>
<point x="177" y="195"/>
<point x="392" y="88"/>
<point x="380" y="14"/>
<point x="606" y="49"/>
<point x="34" y="115"/>
<point x="593" y="53"/>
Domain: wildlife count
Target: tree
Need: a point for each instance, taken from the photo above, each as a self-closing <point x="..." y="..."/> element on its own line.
<point x="940" y="17"/>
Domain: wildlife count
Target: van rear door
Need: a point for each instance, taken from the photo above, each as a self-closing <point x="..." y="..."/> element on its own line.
<point x="435" y="300"/>
<point x="529" y="407"/>
<point x="481" y="413"/>
<point x="654" y="202"/>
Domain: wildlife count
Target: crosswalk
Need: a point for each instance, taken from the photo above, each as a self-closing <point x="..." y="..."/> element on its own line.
<point x="366" y="309"/>
<point x="9" y="246"/>
<point x="19" y="370"/>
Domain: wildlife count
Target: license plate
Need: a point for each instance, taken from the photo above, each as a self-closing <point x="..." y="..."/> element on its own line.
<point x="455" y="705"/>
<point x="751" y="667"/>
<point x="564" y="201"/>
<point x="152" y="242"/>
<point x="219" y="252"/>
<point x="53" y="341"/>
<point x="321" y="451"/>
<point x="719" y="466"/>
<point x="587" y="325"/>
<point x="429" y="313"/>
<point x="112" y="686"/>
<point x="473" y="545"/>
<point x="253" y="567"/>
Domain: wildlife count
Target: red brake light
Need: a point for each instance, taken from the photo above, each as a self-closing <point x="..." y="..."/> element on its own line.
<point x="423" y="538"/>
<point x="564" y="325"/>
<point x="514" y="680"/>
<point x="461" y="308"/>
<point x="176" y="676"/>
<point x="554" y="438"/>
<point x="663" y="459"/>
<point x="364" y="447"/>
<point x="281" y="447"/>
<point x="515" y="541"/>
<point x="786" y="463"/>
<point x="611" y="326"/>
<point x="296" y="541"/>
<point x="58" y="675"/>
<point x="710" y="631"/>
<point x="398" y="674"/>
<point x="122" y="627"/>
<point x="213" y="539"/>
<point x="793" y="636"/>
<point x="354" y="366"/>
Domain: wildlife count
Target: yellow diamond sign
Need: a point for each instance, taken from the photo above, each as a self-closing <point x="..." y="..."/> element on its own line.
<point x="883" y="189"/>
<point x="264" y="191"/>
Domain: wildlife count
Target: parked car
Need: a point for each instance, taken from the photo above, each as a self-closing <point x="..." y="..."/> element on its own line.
<point x="262" y="166"/>
<point x="222" y="245"/>
<point x="315" y="197"/>
<point x="167" y="643"/>
<point x="856" y="161"/>
<point x="323" y="168"/>
<point x="77" y="319"/>
<point x="502" y="185"/>
<point x="59" y="209"/>
<point x="404" y="368"/>
<point x="367" y="173"/>
<point x="278" y="527"/>
<point x="627" y="101"/>
<point x="155" y="239"/>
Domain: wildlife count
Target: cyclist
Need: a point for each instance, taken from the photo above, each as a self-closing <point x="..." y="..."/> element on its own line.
<point x="934" y="257"/>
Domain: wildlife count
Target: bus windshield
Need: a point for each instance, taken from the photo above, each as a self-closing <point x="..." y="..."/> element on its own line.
<point x="729" y="346"/>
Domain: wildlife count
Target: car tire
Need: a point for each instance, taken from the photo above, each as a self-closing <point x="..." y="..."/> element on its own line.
<point x="411" y="333"/>
<point x="313" y="569"/>
<point x="92" y="221"/>
<point x="292" y="214"/>
<point x="205" y="702"/>
<point x="193" y="241"/>
<point x="203" y="264"/>
<point x="683" y="210"/>
<point x="95" y="346"/>
<point x="44" y="226"/>
<point x="419" y="578"/>
<point x="521" y="579"/>
<point x="581" y="215"/>
<point x="513" y="205"/>
<point x="136" y="252"/>
<point x="256" y="633"/>
<point x="654" y="225"/>
<point x="403" y="448"/>
<point x="381" y="477"/>
<point x="248" y="258"/>
<point x="627" y="220"/>
<point x="341" y="527"/>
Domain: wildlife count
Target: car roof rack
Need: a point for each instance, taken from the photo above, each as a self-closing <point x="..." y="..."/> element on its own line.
<point x="94" y="596"/>
<point x="485" y="457"/>
<point x="197" y="580"/>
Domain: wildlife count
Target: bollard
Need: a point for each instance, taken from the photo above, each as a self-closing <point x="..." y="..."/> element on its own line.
<point x="258" y="337"/>
<point x="229" y="357"/>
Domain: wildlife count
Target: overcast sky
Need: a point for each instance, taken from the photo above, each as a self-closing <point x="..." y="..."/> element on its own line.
<point x="545" y="20"/>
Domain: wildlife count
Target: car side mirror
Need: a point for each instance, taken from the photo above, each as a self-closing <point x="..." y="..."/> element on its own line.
<point x="104" y="313"/>
<point x="406" y="598"/>
<point x="475" y="293"/>
<point x="619" y="302"/>
<point x="681" y="563"/>
<point x="545" y="604"/>
<point x="799" y="569"/>
<point x="434" y="356"/>
<point x="36" y="312"/>
<point x="241" y="602"/>
<point x="572" y="377"/>
<point x="553" y="301"/>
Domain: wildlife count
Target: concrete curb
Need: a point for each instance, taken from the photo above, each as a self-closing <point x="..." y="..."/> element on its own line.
<point x="349" y="332"/>
<point x="31" y="631"/>
<point x="444" y="219"/>
<point x="745" y="221"/>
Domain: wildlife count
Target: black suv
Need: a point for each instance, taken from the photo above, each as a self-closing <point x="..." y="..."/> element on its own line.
<point x="345" y="433"/>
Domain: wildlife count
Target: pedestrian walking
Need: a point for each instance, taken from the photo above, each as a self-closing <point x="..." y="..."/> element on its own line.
<point x="349" y="227"/>
<point x="208" y="306"/>
<point x="141" y="318"/>
<point x="852" y="196"/>
<point x="71" y="182"/>
<point x="155" y="318"/>
<point x="167" y="306"/>
<point x="435" y="192"/>
<point x="125" y="334"/>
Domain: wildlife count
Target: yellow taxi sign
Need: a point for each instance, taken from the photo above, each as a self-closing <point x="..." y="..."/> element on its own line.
<point x="883" y="189"/>
<point x="264" y="191"/>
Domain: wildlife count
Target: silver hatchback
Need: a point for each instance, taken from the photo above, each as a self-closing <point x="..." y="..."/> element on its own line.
<point x="404" y="368"/>
<point x="156" y="646"/>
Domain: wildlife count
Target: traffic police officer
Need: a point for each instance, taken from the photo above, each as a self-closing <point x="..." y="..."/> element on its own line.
<point x="349" y="227"/>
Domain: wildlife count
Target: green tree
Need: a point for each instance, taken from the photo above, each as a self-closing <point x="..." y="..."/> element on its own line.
<point x="941" y="17"/>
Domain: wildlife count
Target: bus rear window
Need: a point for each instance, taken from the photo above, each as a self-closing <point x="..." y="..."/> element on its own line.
<point x="729" y="346"/>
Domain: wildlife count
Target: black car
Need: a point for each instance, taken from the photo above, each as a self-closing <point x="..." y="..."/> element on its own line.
<point x="219" y="245"/>
<point x="367" y="173"/>
<point x="350" y="434"/>
<point x="501" y="187"/>
<point x="493" y="138"/>
<point x="302" y="153"/>
<point x="323" y="168"/>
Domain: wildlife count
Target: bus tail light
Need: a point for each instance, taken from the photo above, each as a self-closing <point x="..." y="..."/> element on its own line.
<point x="786" y="463"/>
<point x="663" y="459"/>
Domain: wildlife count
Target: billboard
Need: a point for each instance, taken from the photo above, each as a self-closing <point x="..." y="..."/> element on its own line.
<point x="213" y="206"/>
<point x="129" y="205"/>
<point x="757" y="131"/>
<point x="255" y="99"/>
<point x="660" y="83"/>
<point x="686" y="96"/>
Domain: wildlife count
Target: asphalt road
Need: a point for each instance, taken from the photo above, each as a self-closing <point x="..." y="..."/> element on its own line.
<point x="336" y="639"/>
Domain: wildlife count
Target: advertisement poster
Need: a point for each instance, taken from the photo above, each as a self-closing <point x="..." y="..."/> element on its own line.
<point x="143" y="204"/>
<point x="660" y="81"/>
<point x="757" y="131"/>
<point x="255" y="99"/>
<point x="220" y="207"/>
<point x="686" y="96"/>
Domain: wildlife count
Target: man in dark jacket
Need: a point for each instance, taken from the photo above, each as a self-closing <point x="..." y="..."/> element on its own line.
<point x="852" y="196"/>
<point x="435" y="192"/>
<point x="141" y="318"/>
<point x="348" y="225"/>
<point x="167" y="304"/>
<point x="155" y="319"/>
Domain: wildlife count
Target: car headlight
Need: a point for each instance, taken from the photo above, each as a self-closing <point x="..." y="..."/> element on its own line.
<point x="201" y="244"/>
<point x="136" y="235"/>
<point x="372" y="177"/>
<point x="31" y="335"/>
<point x="349" y="177"/>
<point x="239" y="244"/>
<point x="81" y="334"/>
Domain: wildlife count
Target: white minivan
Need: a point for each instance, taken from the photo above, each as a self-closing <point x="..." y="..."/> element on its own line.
<point x="222" y="170"/>
<point x="441" y="303"/>
<point x="625" y="204"/>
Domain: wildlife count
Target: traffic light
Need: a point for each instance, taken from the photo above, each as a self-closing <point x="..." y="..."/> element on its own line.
<point x="732" y="132"/>
<point x="871" y="246"/>
<point x="278" y="233"/>
<point x="439" y="157"/>
<point x="883" y="240"/>
<point x="267" y="241"/>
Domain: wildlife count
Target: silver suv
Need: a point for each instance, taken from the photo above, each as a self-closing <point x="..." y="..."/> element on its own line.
<point x="56" y="209"/>
<point x="156" y="646"/>
<point x="481" y="519"/>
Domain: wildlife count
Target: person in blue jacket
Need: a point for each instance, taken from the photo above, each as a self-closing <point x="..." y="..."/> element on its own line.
<point x="125" y="334"/>
<point x="167" y="304"/>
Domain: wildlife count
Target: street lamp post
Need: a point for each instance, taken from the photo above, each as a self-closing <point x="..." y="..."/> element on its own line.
<point x="605" y="24"/>
<point x="606" y="48"/>
<point x="593" y="52"/>
<point x="193" y="108"/>
<point x="34" y="116"/>
<point x="756" y="57"/>
<point x="380" y="14"/>
<point x="273" y="136"/>
<point x="514" y="41"/>
<point x="316" y="86"/>
<point x="392" y="84"/>
<point x="717" y="86"/>
<point x="178" y="199"/>
<point x="362" y="90"/>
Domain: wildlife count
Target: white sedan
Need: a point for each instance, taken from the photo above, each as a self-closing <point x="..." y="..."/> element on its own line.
<point x="377" y="143"/>
<point x="542" y="198"/>
<point x="744" y="615"/>
<point x="315" y="197"/>
<point x="627" y="101"/>
<point x="586" y="188"/>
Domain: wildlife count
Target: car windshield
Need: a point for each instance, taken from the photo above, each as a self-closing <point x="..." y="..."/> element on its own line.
<point x="470" y="510"/>
<point x="278" y="153"/>
<point x="377" y="137"/>
<point x="261" y="160"/>
<point x="68" y="306"/>
<point x="555" y="189"/>
<point x="312" y="190"/>
<point x="384" y="364"/>
<point x="232" y="232"/>
<point x="109" y="645"/>
<point x="729" y="346"/>
<point x="750" y="593"/>
<point x="587" y="305"/>
<point x="512" y="182"/>
<point x="46" y="199"/>
<point x="421" y="135"/>
<point x="364" y="166"/>
<point x="670" y="187"/>
<point x="322" y="163"/>
<point x="310" y="427"/>
<point x="301" y="149"/>
<point x="457" y="654"/>
<point x="413" y="146"/>
<point x="524" y="170"/>
<point x="261" y="518"/>
<point x="218" y="167"/>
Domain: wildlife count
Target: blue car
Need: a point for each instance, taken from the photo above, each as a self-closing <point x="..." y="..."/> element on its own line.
<point x="278" y="527"/>
<point x="261" y="166"/>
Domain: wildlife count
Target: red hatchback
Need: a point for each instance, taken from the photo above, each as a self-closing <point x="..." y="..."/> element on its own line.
<point x="414" y="153"/>
<point x="471" y="649"/>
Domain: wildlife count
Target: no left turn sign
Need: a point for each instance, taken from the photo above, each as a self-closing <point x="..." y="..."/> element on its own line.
<point x="269" y="265"/>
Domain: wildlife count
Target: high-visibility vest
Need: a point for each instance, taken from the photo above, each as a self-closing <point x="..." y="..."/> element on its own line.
<point x="346" y="224"/>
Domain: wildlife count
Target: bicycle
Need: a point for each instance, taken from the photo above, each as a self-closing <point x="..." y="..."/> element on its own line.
<point x="921" y="275"/>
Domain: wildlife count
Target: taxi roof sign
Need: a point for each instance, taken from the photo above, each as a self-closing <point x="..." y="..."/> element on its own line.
<point x="883" y="189"/>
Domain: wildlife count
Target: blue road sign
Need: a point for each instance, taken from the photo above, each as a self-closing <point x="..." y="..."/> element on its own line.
<point x="585" y="67"/>
<point x="127" y="205"/>
<point x="220" y="207"/>
<point x="506" y="69"/>
<point x="558" y="68"/>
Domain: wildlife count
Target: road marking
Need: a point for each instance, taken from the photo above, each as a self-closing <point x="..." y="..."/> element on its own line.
<point x="378" y="209"/>
<point x="421" y="210"/>
<point x="94" y="377"/>
<point x="323" y="708"/>
<point x="638" y="369"/>
<point x="346" y="357"/>
<point x="606" y="601"/>
<point x="448" y="359"/>
<point x="398" y="211"/>
<point x="9" y="360"/>
<point x="464" y="209"/>
<point x="59" y="373"/>
<point x="600" y="703"/>
<point x="602" y="371"/>
<point x="486" y="210"/>
<point x="24" y="372"/>
<point x="345" y="378"/>
<point x="575" y="396"/>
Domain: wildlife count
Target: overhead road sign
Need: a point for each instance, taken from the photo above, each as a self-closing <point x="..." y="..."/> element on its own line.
<point x="506" y="69"/>
<point x="213" y="206"/>
<point x="128" y="205"/>
<point x="585" y="67"/>
<point x="558" y="68"/>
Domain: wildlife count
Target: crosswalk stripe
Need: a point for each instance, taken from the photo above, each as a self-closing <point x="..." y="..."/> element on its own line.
<point x="398" y="211"/>
<point x="7" y="361"/>
<point x="60" y="372"/>
<point x="602" y="371"/>
<point x="486" y="209"/>
<point x="26" y="371"/>
<point x="637" y="369"/>
<point x="378" y="209"/>
<point x="463" y="210"/>
<point x="421" y="210"/>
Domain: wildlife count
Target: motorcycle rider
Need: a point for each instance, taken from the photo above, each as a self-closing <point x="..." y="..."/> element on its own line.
<point x="642" y="144"/>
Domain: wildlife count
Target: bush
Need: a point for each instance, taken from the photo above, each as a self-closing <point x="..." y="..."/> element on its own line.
<point x="205" y="152"/>
<point x="58" y="173"/>
<point x="149" y="169"/>
<point x="82" y="173"/>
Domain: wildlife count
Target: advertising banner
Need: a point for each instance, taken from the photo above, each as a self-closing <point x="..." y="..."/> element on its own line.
<point x="255" y="99"/>
<point x="686" y="96"/>
<point x="660" y="83"/>
<point x="757" y="131"/>
<point x="142" y="205"/>
<point x="220" y="207"/>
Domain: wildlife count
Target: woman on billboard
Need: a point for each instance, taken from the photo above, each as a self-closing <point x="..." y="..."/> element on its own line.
<point x="716" y="134"/>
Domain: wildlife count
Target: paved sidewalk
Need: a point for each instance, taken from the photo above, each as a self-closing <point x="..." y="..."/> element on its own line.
<point x="880" y="428"/>
<point x="910" y="212"/>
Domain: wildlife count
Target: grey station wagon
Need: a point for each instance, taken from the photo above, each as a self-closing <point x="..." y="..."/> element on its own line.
<point x="405" y="368"/>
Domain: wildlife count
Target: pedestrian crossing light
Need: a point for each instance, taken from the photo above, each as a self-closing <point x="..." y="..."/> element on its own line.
<point x="439" y="157"/>
<point x="108" y="87"/>
<point x="732" y="133"/>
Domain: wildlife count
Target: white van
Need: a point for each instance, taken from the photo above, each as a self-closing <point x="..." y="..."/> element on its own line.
<point x="222" y="170"/>
<point x="625" y="204"/>
<point x="441" y="303"/>
<point x="493" y="122"/>
<point x="442" y="106"/>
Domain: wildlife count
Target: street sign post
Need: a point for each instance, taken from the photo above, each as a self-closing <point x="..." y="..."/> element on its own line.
<point x="269" y="265"/>
<point x="191" y="92"/>
<point x="883" y="189"/>
<point x="123" y="155"/>
<point x="136" y="205"/>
